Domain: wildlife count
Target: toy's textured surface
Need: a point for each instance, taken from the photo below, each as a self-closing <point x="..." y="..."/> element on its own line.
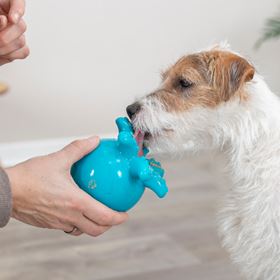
<point x="117" y="172"/>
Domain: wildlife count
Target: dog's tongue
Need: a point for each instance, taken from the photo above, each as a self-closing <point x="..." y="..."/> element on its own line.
<point x="139" y="137"/>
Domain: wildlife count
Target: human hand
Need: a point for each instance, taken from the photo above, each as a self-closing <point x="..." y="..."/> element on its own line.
<point x="45" y="195"/>
<point x="12" y="28"/>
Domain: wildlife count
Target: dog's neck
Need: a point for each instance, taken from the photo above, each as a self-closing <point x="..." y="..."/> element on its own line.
<point x="249" y="222"/>
<point x="254" y="132"/>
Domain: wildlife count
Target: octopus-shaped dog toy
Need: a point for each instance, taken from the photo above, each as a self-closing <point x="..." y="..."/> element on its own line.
<point x="117" y="172"/>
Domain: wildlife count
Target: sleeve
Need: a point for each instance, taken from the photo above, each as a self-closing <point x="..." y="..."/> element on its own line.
<point x="5" y="198"/>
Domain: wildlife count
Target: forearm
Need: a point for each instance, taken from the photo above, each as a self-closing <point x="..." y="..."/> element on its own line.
<point x="5" y="198"/>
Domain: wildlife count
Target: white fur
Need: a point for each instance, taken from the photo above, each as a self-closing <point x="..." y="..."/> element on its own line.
<point x="249" y="133"/>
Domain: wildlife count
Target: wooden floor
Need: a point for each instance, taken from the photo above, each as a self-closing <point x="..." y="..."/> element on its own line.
<point x="174" y="238"/>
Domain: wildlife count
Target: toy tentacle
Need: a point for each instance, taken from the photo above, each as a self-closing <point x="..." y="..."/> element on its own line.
<point x="141" y="169"/>
<point x="145" y="151"/>
<point x="157" y="185"/>
<point x="150" y="177"/>
<point x="156" y="166"/>
<point x="124" y="124"/>
<point x="127" y="143"/>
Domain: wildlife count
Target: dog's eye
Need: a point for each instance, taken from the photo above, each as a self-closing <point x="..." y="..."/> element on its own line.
<point x="184" y="84"/>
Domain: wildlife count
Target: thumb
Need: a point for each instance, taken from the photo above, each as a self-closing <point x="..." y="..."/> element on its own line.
<point x="17" y="8"/>
<point x="78" y="149"/>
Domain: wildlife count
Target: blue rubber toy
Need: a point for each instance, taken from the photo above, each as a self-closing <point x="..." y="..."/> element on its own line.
<point x="117" y="172"/>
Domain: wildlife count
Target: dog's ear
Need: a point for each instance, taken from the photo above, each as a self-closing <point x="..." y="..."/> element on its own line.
<point x="240" y="72"/>
<point x="237" y="71"/>
<point x="230" y="73"/>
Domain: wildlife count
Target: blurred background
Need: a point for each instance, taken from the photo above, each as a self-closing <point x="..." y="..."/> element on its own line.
<point x="89" y="59"/>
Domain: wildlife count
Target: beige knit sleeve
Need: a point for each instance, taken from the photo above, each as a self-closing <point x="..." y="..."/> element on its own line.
<point x="5" y="198"/>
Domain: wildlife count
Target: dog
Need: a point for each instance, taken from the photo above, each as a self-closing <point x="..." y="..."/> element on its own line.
<point x="216" y="99"/>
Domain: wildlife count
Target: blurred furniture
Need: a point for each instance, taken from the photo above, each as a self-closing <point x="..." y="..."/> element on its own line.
<point x="3" y="88"/>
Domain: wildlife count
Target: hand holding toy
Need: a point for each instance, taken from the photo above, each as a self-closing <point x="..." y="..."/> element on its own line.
<point x="117" y="172"/>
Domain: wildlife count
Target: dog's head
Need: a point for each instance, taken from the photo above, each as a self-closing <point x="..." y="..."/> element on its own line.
<point x="195" y="97"/>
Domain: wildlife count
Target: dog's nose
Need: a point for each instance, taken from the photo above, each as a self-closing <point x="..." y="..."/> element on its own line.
<point x="133" y="109"/>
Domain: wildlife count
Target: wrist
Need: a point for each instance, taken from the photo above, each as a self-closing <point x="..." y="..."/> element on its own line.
<point x="12" y="175"/>
<point x="5" y="198"/>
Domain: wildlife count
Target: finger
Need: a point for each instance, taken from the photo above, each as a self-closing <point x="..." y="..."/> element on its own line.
<point x="17" y="8"/>
<point x="3" y="22"/>
<point x="13" y="46"/>
<point x="76" y="233"/>
<point x="78" y="149"/>
<point x="18" y="54"/>
<point x="99" y="213"/>
<point x="89" y="227"/>
<point x="4" y="61"/>
<point x="11" y="33"/>
<point x="4" y="9"/>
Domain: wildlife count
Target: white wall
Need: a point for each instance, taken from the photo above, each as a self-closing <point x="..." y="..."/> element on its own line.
<point x="90" y="58"/>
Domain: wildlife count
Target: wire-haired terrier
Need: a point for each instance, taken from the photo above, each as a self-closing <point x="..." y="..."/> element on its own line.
<point x="215" y="99"/>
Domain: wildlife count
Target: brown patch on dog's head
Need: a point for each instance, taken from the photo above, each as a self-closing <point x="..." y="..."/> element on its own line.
<point x="204" y="79"/>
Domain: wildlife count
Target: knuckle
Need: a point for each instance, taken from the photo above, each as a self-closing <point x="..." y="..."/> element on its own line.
<point x="24" y="53"/>
<point x="106" y="218"/>
<point x="74" y="204"/>
<point x="69" y="220"/>
<point x="20" y="11"/>
<point x="21" y="42"/>
<point x="22" y="26"/>
<point x="71" y="204"/>
<point x="77" y="144"/>
<point x="97" y="232"/>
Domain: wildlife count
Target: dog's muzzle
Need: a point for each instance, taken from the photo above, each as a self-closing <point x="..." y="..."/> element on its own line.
<point x="133" y="109"/>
